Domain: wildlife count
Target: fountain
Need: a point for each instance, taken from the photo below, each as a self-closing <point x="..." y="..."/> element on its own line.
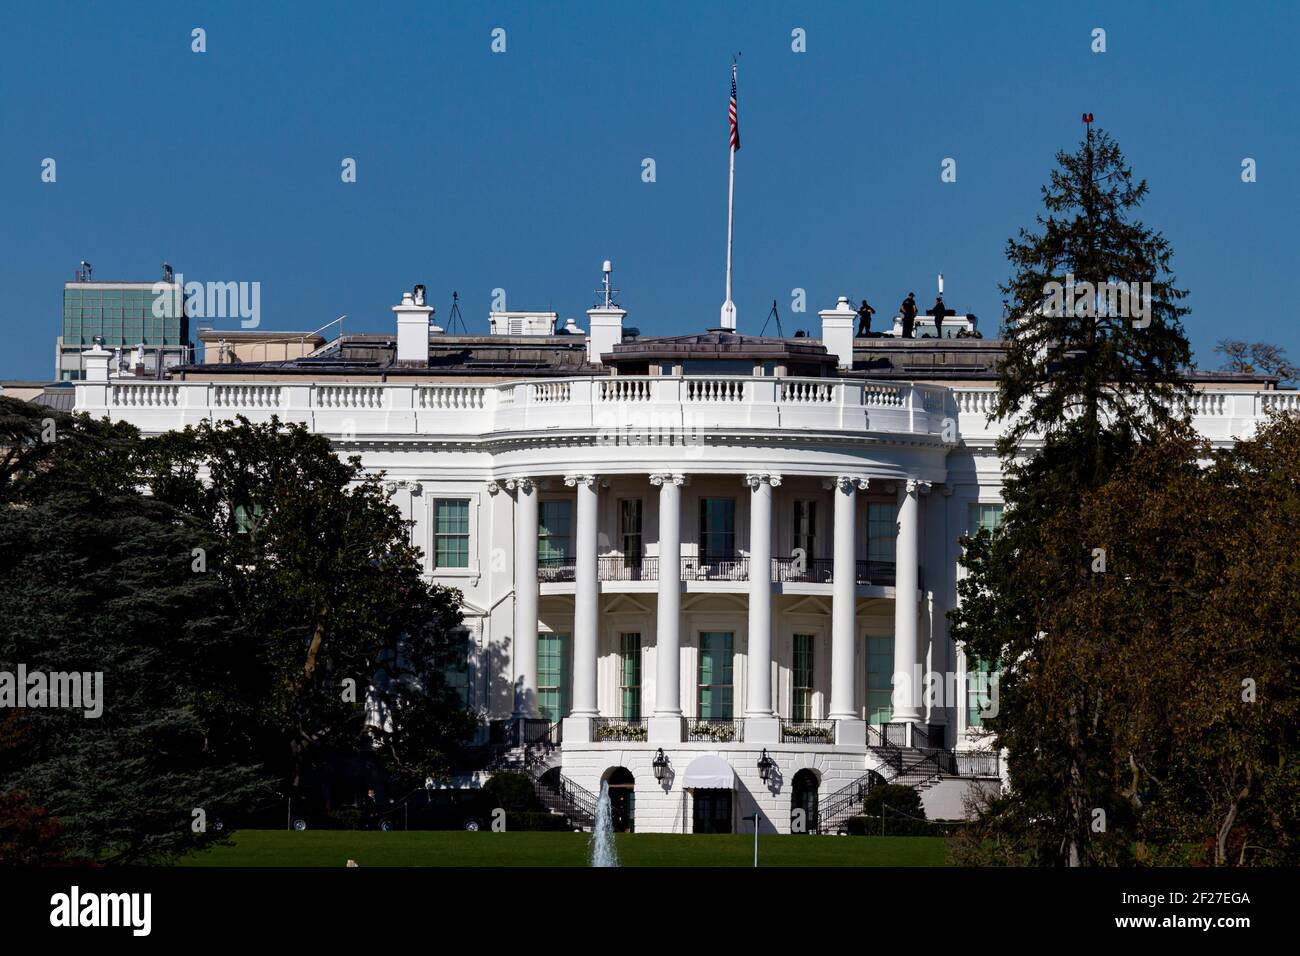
<point x="603" y="851"/>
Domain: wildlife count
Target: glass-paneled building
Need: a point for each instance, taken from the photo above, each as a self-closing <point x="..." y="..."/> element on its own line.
<point x="125" y="316"/>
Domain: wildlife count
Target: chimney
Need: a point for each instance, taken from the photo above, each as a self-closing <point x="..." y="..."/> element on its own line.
<point x="413" y="328"/>
<point x="605" y="321"/>
<point x="837" y="331"/>
<point x="95" y="362"/>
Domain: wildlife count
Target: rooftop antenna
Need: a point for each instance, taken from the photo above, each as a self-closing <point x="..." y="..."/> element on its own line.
<point x="607" y="290"/>
<point x="83" y="274"/>
<point x="455" y="318"/>
<point x="774" y="314"/>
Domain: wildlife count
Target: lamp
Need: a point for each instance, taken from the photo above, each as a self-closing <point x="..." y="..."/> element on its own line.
<point x="765" y="765"/>
<point x="660" y="765"/>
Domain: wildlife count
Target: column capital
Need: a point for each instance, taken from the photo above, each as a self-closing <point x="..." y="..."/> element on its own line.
<point x="754" y="479"/>
<point x="916" y="486"/>
<point x="587" y="481"/>
<point x="526" y="485"/>
<point x="661" y="479"/>
<point x="493" y="487"/>
<point x="847" y="483"/>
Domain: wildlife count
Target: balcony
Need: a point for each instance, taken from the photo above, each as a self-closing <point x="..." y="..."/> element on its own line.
<point x="712" y="567"/>
<point x="731" y="567"/>
<point x="617" y="567"/>
<point x="555" y="570"/>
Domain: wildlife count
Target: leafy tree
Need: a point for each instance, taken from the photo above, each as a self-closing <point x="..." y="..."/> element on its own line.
<point x="1258" y="358"/>
<point x="346" y="642"/>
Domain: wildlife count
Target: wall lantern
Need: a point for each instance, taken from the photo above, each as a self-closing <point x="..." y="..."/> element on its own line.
<point x="660" y="765"/>
<point x="765" y="765"/>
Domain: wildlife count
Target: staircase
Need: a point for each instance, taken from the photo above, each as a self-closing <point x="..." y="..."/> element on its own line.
<point x="912" y="766"/>
<point x="534" y="749"/>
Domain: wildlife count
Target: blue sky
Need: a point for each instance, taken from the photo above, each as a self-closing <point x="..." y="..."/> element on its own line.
<point x="522" y="170"/>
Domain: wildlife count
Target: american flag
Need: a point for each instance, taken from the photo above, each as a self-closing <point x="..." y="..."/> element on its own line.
<point x="735" y="126"/>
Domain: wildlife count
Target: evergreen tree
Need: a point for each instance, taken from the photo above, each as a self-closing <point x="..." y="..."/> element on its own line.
<point x="1080" y="388"/>
<point x="96" y="578"/>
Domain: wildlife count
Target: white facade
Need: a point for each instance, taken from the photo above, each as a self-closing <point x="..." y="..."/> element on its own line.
<point x="781" y="548"/>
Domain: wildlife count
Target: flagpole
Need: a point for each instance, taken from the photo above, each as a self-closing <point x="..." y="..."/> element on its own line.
<point x="729" y="307"/>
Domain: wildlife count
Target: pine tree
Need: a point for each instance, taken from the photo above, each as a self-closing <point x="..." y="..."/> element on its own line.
<point x="1081" y="387"/>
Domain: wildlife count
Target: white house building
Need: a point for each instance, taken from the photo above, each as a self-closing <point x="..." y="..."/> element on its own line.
<point x="711" y="571"/>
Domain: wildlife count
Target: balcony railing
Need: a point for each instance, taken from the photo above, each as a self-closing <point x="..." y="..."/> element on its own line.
<point x="733" y="567"/>
<point x="803" y="570"/>
<point x="976" y="763"/>
<point x="620" y="729"/>
<point x="552" y="570"/>
<point x="715" y="730"/>
<point x="807" y="731"/>
<point x="617" y="567"/>
<point x="715" y="568"/>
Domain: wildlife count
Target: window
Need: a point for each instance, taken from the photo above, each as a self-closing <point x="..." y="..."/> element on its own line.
<point x="717" y="529"/>
<point x="630" y="675"/>
<point x="714" y="680"/>
<point x="979" y="690"/>
<point x="801" y="704"/>
<point x="456" y="670"/>
<point x="247" y="518"/>
<point x="805" y="528"/>
<point x="880" y="679"/>
<point x="553" y="679"/>
<point x="553" y="542"/>
<point x="629" y="526"/>
<point x="985" y="516"/>
<point x="451" y="533"/>
<point x="882" y="533"/>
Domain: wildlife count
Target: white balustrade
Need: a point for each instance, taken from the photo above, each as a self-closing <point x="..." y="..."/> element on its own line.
<point x="453" y="397"/>
<point x="615" y="405"/>
<point x="715" y="389"/>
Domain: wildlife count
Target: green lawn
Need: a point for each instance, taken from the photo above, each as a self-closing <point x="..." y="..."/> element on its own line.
<point x="455" y="848"/>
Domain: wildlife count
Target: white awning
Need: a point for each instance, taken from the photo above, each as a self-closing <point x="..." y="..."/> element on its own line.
<point x="709" y="772"/>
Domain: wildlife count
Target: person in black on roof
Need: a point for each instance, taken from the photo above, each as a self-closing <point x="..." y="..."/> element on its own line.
<point x="864" y="319"/>
<point x="938" y="312"/>
<point x="908" y="310"/>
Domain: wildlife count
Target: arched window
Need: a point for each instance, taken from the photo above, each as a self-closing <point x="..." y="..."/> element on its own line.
<point x="803" y="796"/>
<point x="622" y="798"/>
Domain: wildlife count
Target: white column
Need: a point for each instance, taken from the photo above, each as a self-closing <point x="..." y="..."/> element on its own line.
<point x="666" y="724"/>
<point x="525" y="647"/>
<point x="850" y="728"/>
<point x="907" y="682"/>
<point x="761" y="723"/>
<point x="586" y="599"/>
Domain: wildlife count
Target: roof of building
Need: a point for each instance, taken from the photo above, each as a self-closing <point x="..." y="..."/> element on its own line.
<point x="542" y="356"/>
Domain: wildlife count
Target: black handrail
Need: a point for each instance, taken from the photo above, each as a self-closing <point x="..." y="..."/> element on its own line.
<point x="712" y="567"/>
<point x="550" y="570"/>
<point x="619" y="567"/>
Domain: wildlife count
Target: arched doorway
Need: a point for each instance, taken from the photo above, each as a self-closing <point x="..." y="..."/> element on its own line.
<point x="803" y="796"/>
<point x="622" y="798"/>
